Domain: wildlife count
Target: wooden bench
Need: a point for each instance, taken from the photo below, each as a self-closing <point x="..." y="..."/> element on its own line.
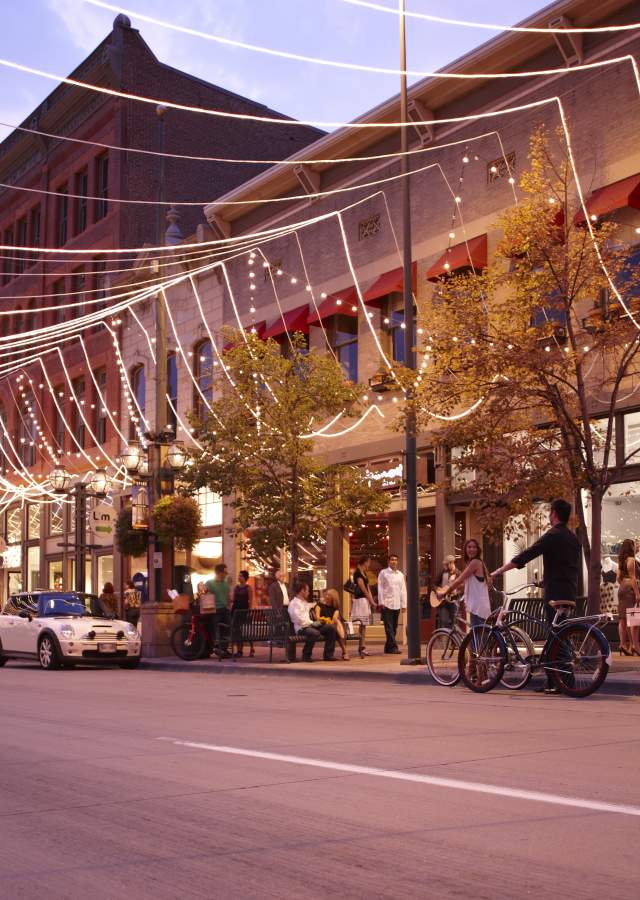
<point x="521" y="608"/>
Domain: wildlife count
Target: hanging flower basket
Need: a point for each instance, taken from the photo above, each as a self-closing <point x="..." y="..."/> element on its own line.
<point x="131" y="541"/>
<point x="177" y="519"/>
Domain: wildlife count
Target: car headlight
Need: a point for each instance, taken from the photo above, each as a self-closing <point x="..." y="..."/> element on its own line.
<point x="131" y="632"/>
<point x="67" y="632"/>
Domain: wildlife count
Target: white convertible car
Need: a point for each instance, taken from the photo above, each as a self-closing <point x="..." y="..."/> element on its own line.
<point x="62" y="628"/>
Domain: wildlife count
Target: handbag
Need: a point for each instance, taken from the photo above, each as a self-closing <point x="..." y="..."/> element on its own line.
<point x="350" y="586"/>
<point x="207" y="603"/>
<point x="633" y="616"/>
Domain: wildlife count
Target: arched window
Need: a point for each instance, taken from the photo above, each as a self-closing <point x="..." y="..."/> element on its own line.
<point x="203" y="374"/>
<point x="138" y="387"/>
<point x="172" y="391"/>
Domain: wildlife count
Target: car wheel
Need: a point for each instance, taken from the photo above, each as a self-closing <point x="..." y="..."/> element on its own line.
<point x="130" y="663"/>
<point x="48" y="653"/>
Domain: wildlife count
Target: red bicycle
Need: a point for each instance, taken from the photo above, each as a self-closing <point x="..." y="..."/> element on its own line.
<point x="192" y="641"/>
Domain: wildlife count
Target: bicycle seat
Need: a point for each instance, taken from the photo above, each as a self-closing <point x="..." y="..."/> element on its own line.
<point x="562" y="604"/>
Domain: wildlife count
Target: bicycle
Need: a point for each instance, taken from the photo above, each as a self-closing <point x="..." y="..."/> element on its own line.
<point x="444" y="646"/>
<point x="576" y="653"/>
<point x="191" y="640"/>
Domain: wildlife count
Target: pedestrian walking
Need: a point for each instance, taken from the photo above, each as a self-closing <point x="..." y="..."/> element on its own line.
<point x="329" y="609"/>
<point x="243" y="599"/>
<point x="108" y="598"/>
<point x="476" y="581"/>
<point x="278" y="593"/>
<point x="628" y="595"/>
<point x="561" y="555"/>
<point x="446" y="613"/>
<point x="132" y="599"/>
<point x="392" y="597"/>
<point x="300" y="609"/>
<point x="221" y="590"/>
<point x="362" y="603"/>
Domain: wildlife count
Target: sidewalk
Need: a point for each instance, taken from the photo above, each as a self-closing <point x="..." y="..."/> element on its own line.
<point x="624" y="675"/>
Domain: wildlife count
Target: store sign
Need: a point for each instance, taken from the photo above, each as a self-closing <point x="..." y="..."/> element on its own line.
<point x="102" y="520"/>
<point x="389" y="479"/>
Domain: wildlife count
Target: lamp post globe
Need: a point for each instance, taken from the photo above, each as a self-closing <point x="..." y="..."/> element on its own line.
<point x="143" y="466"/>
<point x="100" y="483"/>
<point x="60" y="479"/>
<point x="176" y="456"/>
<point x="131" y="457"/>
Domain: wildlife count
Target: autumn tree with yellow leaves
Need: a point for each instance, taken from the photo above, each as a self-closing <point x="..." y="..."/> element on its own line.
<point x="537" y="350"/>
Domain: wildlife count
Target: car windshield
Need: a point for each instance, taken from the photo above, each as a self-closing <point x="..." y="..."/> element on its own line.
<point x="73" y="605"/>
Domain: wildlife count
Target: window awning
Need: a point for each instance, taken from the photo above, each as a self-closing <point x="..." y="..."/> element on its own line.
<point x="611" y="197"/>
<point x="259" y="329"/>
<point x="470" y="254"/>
<point x="344" y="303"/>
<point x="289" y="322"/>
<point x="389" y="283"/>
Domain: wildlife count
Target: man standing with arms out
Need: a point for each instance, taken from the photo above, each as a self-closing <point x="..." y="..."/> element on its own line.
<point x="300" y="614"/>
<point x="561" y="555"/>
<point x="220" y="588"/>
<point x="392" y="596"/>
<point x="278" y="594"/>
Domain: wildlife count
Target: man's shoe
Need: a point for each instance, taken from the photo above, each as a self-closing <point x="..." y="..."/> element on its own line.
<point x="329" y="659"/>
<point x="307" y="659"/>
<point x="547" y="689"/>
<point x="395" y="650"/>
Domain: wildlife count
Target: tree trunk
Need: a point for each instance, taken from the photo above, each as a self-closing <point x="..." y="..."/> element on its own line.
<point x="595" y="563"/>
<point x="293" y="575"/>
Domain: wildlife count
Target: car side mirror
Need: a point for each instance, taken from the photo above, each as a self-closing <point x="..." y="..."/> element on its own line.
<point x="23" y="614"/>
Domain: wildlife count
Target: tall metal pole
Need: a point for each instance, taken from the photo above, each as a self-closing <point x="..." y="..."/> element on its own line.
<point x="411" y="481"/>
<point x="81" y="535"/>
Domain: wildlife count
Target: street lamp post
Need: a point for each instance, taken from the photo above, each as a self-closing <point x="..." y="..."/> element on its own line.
<point x="411" y="480"/>
<point x="98" y="486"/>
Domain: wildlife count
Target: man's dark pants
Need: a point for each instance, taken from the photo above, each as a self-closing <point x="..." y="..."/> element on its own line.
<point x="390" y="621"/>
<point x="222" y="621"/>
<point x="314" y="633"/>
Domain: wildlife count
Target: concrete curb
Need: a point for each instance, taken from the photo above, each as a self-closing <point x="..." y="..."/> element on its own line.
<point x="617" y="683"/>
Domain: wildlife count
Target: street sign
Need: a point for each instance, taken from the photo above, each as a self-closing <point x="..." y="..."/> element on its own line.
<point x="157" y="560"/>
<point x="102" y="520"/>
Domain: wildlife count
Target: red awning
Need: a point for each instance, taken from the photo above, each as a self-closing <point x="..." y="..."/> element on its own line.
<point x="611" y="197"/>
<point x="344" y="303"/>
<point x="469" y="254"/>
<point x="389" y="283"/>
<point x="289" y="322"/>
<point x="258" y="328"/>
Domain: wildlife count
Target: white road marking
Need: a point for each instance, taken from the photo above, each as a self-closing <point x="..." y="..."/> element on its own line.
<point x="452" y="783"/>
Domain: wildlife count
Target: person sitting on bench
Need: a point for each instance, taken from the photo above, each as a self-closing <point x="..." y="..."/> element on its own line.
<point x="300" y="614"/>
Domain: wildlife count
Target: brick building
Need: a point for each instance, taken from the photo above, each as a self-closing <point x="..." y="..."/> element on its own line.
<point x="83" y="179"/>
<point x="601" y="105"/>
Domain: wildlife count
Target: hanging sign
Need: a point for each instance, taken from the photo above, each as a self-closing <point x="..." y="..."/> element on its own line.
<point x="102" y="520"/>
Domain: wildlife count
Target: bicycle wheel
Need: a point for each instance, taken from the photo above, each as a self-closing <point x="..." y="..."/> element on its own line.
<point x="578" y="659"/>
<point x="517" y="671"/>
<point x="442" y="657"/>
<point x="186" y="645"/>
<point x="482" y="658"/>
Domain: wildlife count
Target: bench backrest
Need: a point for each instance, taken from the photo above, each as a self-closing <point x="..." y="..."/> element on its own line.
<point x="258" y="624"/>
<point x="521" y="607"/>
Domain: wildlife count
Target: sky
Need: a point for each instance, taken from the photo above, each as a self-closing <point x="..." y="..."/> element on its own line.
<point x="56" y="35"/>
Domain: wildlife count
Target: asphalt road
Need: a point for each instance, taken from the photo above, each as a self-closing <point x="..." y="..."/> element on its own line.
<point x="102" y="796"/>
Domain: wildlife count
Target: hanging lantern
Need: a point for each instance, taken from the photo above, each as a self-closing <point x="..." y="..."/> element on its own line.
<point x="131" y="457"/>
<point x="100" y="483"/>
<point x="60" y="479"/>
<point x="177" y="457"/>
<point x="139" y="507"/>
<point x="143" y="465"/>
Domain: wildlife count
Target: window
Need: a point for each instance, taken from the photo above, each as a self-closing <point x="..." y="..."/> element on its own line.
<point x="27" y="431"/>
<point x="82" y="189"/>
<point x="344" y="334"/>
<point x="35" y="227"/>
<point x="33" y="522"/>
<point x="102" y="181"/>
<point x="599" y="438"/>
<point x="30" y="318"/>
<point x="58" y="418"/>
<point x="203" y="374"/>
<point x="21" y="241"/>
<point x="172" y="391"/>
<point x="138" y="388"/>
<point x="7" y="262"/>
<point x="210" y="507"/>
<point x="14" y="525"/>
<point x="100" y="283"/>
<point x="100" y="420"/>
<point x="77" y="408"/>
<point x="78" y="287"/>
<point x="58" y="301"/>
<point x="63" y="215"/>
<point x="632" y="438"/>
<point x="56" y="517"/>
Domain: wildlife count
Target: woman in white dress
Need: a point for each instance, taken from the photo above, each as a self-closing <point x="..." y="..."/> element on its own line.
<point x="362" y="603"/>
<point x="476" y="581"/>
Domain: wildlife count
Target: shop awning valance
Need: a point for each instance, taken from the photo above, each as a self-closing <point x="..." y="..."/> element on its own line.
<point x="389" y="283"/>
<point x="470" y="254"/>
<point x="344" y="303"/>
<point x="611" y="197"/>
<point x="289" y="322"/>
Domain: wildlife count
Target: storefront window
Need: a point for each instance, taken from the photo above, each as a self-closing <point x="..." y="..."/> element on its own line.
<point x="56" y="517"/>
<point x="105" y="570"/>
<point x="33" y="568"/>
<point x="33" y="527"/>
<point x="88" y="573"/>
<point x="599" y="437"/>
<point x="54" y="574"/>
<point x="210" y="507"/>
<point x="14" y="525"/>
<point x="632" y="438"/>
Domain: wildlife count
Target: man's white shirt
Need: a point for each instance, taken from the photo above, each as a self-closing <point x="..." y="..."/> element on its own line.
<point x="285" y="594"/>
<point x="300" y="613"/>
<point x="392" y="589"/>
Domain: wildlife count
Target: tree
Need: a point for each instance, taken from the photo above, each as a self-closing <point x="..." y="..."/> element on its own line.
<point x="257" y="450"/>
<point x="537" y="349"/>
